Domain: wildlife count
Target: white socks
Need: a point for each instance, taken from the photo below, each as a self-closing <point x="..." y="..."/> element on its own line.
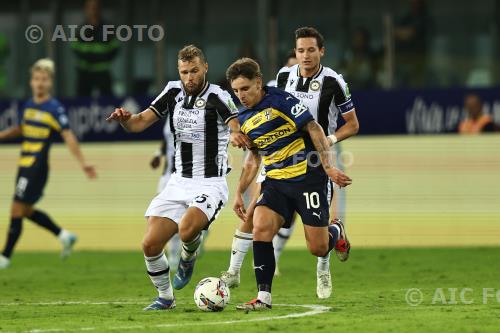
<point x="64" y="236"/>
<point x="241" y="243"/>
<point x="189" y="250"/>
<point x="324" y="263"/>
<point x="159" y="273"/>
<point x="280" y="240"/>
<point x="264" y="297"/>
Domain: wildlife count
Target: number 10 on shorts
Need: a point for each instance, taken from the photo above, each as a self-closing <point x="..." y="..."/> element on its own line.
<point x="312" y="199"/>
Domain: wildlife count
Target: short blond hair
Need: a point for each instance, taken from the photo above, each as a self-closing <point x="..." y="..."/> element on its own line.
<point x="190" y="52"/>
<point x="44" y="64"/>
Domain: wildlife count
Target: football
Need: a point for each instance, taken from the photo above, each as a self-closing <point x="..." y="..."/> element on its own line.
<point x="211" y="294"/>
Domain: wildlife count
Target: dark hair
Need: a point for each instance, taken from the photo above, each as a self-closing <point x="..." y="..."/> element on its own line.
<point x="246" y="67"/>
<point x="189" y="52"/>
<point x="306" y="32"/>
<point x="290" y="55"/>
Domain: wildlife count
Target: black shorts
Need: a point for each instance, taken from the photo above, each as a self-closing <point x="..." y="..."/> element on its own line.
<point x="310" y="199"/>
<point x="30" y="183"/>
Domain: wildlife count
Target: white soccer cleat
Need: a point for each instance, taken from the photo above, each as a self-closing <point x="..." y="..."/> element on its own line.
<point x="4" y="262"/>
<point x="324" y="284"/>
<point x="68" y="240"/>
<point x="231" y="280"/>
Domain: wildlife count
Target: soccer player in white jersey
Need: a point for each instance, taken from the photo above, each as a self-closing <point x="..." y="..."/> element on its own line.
<point x="201" y="116"/>
<point x="326" y="95"/>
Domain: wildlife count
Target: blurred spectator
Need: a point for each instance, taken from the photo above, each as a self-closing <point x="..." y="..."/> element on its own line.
<point x="411" y="36"/>
<point x="95" y="56"/>
<point x="476" y="121"/>
<point x="359" y="65"/>
<point x="291" y="60"/>
<point x="4" y="53"/>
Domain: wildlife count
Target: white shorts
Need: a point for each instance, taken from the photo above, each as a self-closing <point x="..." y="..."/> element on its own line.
<point x="162" y="183"/>
<point x="208" y="194"/>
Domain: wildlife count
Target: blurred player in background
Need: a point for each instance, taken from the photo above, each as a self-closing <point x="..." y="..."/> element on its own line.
<point x="201" y="116"/>
<point x="291" y="60"/>
<point x="326" y="95"/>
<point x="42" y="118"/>
<point x="298" y="161"/>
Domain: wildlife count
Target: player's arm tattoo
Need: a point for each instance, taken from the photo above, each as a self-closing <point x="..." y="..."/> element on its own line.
<point x="321" y="143"/>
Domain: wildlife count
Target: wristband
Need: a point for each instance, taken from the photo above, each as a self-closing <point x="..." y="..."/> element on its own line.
<point x="333" y="139"/>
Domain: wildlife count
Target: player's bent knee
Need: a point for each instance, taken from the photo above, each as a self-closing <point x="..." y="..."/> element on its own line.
<point x="188" y="232"/>
<point x="150" y="247"/>
<point x="318" y="250"/>
<point x="260" y="233"/>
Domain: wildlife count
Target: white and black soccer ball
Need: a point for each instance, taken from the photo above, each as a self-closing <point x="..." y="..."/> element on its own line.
<point x="211" y="294"/>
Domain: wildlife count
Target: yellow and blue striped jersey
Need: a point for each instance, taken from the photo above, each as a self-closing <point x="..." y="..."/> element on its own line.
<point x="274" y="126"/>
<point x="39" y="123"/>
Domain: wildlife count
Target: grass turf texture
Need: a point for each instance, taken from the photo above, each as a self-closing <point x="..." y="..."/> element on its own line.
<point x="369" y="293"/>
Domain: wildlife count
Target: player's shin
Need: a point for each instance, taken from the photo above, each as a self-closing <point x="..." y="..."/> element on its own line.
<point x="241" y="244"/>
<point x="333" y="236"/>
<point x="264" y="265"/>
<point x="44" y="221"/>
<point x="159" y="273"/>
<point x="15" y="229"/>
<point x="190" y="248"/>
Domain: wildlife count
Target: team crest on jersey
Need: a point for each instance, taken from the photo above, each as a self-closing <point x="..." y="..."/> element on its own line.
<point x="267" y="114"/>
<point x="200" y="103"/>
<point x="314" y="85"/>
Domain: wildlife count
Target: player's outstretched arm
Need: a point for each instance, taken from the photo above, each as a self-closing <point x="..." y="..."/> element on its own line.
<point x="11" y="133"/>
<point x="322" y="145"/>
<point x="74" y="147"/>
<point x="133" y="122"/>
<point x="248" y="173"/>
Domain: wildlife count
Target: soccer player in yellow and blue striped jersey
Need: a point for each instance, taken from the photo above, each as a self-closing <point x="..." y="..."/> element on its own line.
<point x="298" y="164"/>
<point x="43" y="117"/>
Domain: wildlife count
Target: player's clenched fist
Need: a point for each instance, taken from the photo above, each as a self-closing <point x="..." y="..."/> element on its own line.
<point x="120" y="115"/>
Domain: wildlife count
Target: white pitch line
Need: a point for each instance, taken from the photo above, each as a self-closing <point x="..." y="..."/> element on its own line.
<point x="313" y="310"/>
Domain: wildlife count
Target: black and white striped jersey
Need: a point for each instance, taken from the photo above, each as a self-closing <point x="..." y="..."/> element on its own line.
<point x="199" y="126"/>
<point x="325" y="94"/>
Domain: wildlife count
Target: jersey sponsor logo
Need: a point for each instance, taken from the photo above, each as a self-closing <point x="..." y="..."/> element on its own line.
<point x="314" y="85"/>
<point x="298" y="109"/>
<point x="302" y="95"/>
<point x="273" y="136"/>
<point x="200" y="103"/>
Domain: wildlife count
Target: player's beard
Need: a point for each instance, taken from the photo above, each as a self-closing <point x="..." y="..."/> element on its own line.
<point x="196" y="89"/>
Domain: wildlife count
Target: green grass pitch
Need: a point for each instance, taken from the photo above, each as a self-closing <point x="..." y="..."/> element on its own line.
<point x="423" y="212"/>
<point x="105" y="292"/>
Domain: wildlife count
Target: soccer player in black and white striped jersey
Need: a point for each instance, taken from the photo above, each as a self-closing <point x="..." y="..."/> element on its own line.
<point x="327" y="96"/>
<point x="201" y="117"/>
